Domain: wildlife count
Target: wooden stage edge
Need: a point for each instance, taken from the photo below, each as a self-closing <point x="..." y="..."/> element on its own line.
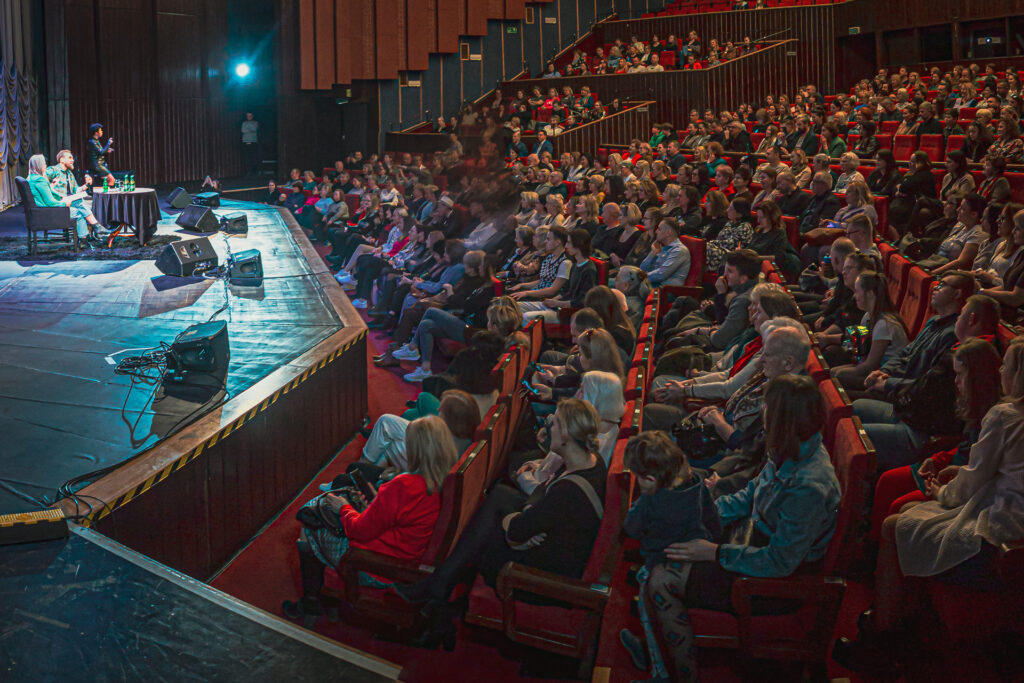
<point x="194" y="499"/>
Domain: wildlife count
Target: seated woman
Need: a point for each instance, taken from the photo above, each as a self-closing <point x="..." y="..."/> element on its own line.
<point x="716" y="209"/>
<point x="867" y="146"/>
<point x="615" y="243"/>
<point x="976" y="142"/>
<point x="735" y="232"/>
<point x="859" y="202"/>
<point x="608" y="304"/>
<point x="883" y="180"/>
<point x="700" y="573"/>
<point x="595" y="349"/>
<point x="964" y="241"/>
<point x="1008" y="143"/>
<point x="766" y="176"/>
<point x="527" y="208"/>
<point x="635" y="286"/>
<point x="386" y="445"/>
<point x="958" y="179"/>
<point x="770" y="238"/>
<point x="556" y="532"/>
<point x="886" y="334"/>
<point x="603" y="390"/>
<point x="995" y="187"/>
<point x="976" y="366"/>
<point x="504" y="317"/>
<point x="995" y="258"/>
<point x="398" y="522"/>
<point x="955" y="537"/>
<point x="370" y="259"/>
<point x="916" y="184"/>
<point x="1010" y="294"/>
<point x="582" y="277"/>
<point x="800" y="169"/>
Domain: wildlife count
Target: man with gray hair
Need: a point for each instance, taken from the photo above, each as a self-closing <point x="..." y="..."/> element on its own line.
<point x="823" y="206"/>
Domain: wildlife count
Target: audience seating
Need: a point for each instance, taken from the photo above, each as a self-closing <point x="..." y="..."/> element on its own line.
<point x="903" y="146"/>
<point x="934" y="146"/>
<point x="838" y="406"/>
<point x="916" y="302"/>
<point x="897" y="274"/>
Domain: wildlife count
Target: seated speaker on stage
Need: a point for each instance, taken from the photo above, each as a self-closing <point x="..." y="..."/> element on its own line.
<point x="63" y="183"/>
<point x="44" y="195"/>
<point x="98" y="153"/>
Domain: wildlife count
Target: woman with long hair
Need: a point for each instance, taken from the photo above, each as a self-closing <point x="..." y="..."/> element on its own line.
<point x="399" y="522"/>
<point x="608" y="305"/>
<point x="976" y="142"/>
<point x="955" y="536"/>
<point x="885" y="333"/>
<point x="736" y="231"/>
<point x="716" y="208"/>
<point x="996" y="257"/>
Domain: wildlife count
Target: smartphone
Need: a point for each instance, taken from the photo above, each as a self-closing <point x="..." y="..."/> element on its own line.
<point x="532" y="390"/>
<point x="533" y="366"/>
<point x="827" y="259"/>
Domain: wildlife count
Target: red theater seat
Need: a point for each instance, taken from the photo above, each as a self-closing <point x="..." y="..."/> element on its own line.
<point x="903" y="146"/>
<point x="934" y="146"/>
<point x="917" y="300"/>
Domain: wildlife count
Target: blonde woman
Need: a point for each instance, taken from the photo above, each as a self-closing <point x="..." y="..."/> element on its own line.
<point x="527" y="210"/>
<point x="399" y="522"/>
<point x="589" y="213"/>
<point x="554" y="207"/>
<point x="800" y="169"/>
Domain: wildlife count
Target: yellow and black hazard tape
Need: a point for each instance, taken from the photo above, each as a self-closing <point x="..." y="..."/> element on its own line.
<point x="99" y="512"/>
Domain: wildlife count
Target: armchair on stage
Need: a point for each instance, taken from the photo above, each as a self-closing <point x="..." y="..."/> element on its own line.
<point x="45" y="219"/>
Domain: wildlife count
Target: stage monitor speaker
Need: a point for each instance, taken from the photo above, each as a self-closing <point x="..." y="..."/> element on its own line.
<point x="200" y="348"/>
<point x="210" y="199"/>
<point x="246" y="268"/>
<point x="179" y="199"/>
<point x="185" y="257"/>
<point x="235" y="223"/>
<point x="198" y="218"/>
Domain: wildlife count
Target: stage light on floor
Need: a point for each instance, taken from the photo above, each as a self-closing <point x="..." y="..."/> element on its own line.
<point x="242" y="70"/>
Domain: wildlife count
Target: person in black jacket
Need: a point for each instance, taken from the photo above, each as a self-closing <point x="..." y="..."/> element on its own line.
<point x="791" y="200"/>
<point x="97" y="152"/>
<point x="883" y="180"/>
<point x="582" y="277"/>
<point x="929" y="125"/>
<point x="918" y="183"/>
<point x="824" y="204"/>
<point x="737" y="139"/>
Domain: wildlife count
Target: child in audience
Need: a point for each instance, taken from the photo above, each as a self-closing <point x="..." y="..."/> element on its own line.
<point x="675" y="506"/>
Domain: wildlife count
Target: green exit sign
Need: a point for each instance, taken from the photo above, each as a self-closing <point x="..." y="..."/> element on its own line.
<point x="511" y="29"/>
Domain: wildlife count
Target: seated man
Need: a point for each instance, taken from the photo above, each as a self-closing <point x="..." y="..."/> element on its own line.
<point x="63" y="184"/>
<point x="883" y="410"/>
<point x="823" y="205"/>
<point x="669" y="260"/>
<point x="791" y="200"/>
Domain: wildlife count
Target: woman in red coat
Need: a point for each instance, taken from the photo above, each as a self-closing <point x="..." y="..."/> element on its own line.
<point x="398" y="522"/>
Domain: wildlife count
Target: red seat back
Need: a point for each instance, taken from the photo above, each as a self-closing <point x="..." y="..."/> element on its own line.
<point x="461" y="493"/>
<point x="853" y="457"/>
<point x="934" y="146"/>
<point x="954" y="142"/>
<point x="792" y="230"/>
<point x="1016" y="181"/>
<point x="889" y="126"/>
<point x="899" y="269"/>
<point x="602" y="270"/>
<point x="851" y="141"/>
<point x="916" y="301"/>
<point x="884" y="140"/>
<point x="837" y="407"/>
<point x="903" y="146"/>
<point x="697" y="259"/>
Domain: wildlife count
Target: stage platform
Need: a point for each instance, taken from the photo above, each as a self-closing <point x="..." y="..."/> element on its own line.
<point x="88" y="608"/>
<point x="191" y="478"/>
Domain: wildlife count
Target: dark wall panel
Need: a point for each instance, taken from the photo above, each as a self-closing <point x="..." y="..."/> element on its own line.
<point x="532" y="43"/>
<point x="513" y="50"/>
<point x="551" y="42"/>
<point x="153" y="72"/>
<point x="493" y="65"/>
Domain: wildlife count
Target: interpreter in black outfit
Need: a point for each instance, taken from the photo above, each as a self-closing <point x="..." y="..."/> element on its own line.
<point x="553" y="529"/>
<point x="98" y="152"/>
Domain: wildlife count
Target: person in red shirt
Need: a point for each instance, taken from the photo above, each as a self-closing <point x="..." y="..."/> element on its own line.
<point x="398" y="522"/>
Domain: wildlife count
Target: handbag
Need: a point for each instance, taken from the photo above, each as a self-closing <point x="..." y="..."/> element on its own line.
<point x="697" y="440"/>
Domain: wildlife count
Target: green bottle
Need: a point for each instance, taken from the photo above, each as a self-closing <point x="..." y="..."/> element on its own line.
<point x="106" y="185"/>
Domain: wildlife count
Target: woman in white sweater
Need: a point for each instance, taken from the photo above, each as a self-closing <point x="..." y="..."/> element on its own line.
<point x="955" y="536"/>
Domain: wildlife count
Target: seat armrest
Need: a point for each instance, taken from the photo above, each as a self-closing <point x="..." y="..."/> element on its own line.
<point x="400" y="571"/>
<point x="549" y="585"/>
<point x="683" y="290"/>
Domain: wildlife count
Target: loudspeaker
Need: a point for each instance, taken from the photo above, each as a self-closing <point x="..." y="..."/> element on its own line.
<point x="246" y="268"/>
<point x="179" y="199"/>
<point x="184" y="258"/>
<point x="200" y="348"/>
<point x="210" y="199"/>
<point x="235" y="223"/>
<point x="198" y="218"/>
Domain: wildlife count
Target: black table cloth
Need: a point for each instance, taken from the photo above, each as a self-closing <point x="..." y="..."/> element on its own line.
<point x="138" y="208"/>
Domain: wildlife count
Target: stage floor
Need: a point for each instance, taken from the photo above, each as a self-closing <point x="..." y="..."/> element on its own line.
<point x="90" y="607"/>
<point x="63" y="411"/>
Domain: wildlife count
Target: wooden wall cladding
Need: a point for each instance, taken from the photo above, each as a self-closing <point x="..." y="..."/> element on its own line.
<point x="768" y="71"/>
<point x="344" y="40"/>
<point x="885" y="15"/>
<point x="145" y="70"/>
<point x="813" y="28"/>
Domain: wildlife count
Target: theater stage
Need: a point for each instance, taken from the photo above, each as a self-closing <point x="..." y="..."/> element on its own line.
<point x="89" y="608"/>
<point x="188" y="479"/>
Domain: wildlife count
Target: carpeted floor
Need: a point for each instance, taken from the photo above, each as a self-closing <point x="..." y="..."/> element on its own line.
<point x="124" y="249"/>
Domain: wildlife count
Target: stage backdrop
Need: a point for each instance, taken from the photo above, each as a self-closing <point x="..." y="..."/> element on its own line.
<point x="19" y="97"/>
<point x="153" y="72"/>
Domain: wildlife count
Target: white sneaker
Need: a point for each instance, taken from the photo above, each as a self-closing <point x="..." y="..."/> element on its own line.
<point x="417" y="375"/>
<point x="406" y="353"/>
<point x="344" y="277"/>
<point x="359" y="303"/>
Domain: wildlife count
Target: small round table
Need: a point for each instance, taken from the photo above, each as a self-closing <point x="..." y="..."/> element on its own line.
<point x="138" y="208"/>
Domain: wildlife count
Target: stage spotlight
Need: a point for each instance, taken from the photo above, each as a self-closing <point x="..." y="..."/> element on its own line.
<point x="242" y="70"/>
